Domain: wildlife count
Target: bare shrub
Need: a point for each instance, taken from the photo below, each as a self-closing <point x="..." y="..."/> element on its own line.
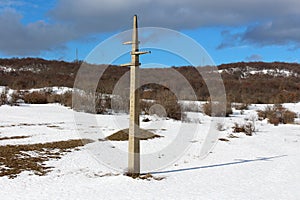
<point x="36" y="98"/>
<point x="102" y="103"/>
<point x="268" y="112"/>
<point x="241" y="106"/>
<point x="3" y="98"/>
<point x="120" y="104"/>
<point x="191" y="107"/>
<point x="221" y="126"/>
<point x="185" y="118"/>
<point x="145" y="106"/>
<point x="65" y="99"/>
<point x="274" y="120"/>
<point x="289" y="117"/>
<point x="14" y="98"/>
<point x="207" y="109"/>
<point x="237" y="128"/>
<point x="247" y="128"/>
<point x="277" y="114"/>
<point x="251" y="120"/>
<point x="170" y="103"/>
<point x="85" y="103"/>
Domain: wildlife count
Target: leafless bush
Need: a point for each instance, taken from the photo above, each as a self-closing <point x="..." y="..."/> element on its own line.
<point x="85" y="102"/>
<point x="218" y="109"/>
<point x="14" y="98"/>
<point x="145" y="106"/>
<point x="65" y="99"/>
<point x="172" y="108"/>
<point x="191" y="107"/>
<point x="221" y="126"/>
<point x="3" y="98"/>
<point x="241" y="106"/>
<point x="247" y="128"/>
<point x="277" y="114"/>
<point x="184" y="118"/>
<point x="102" y="103"/>
<point x="120" y="104"/>
<point x="289" y="117"/>
<point x="54" y="98"/>
<point x="36" y="98"/>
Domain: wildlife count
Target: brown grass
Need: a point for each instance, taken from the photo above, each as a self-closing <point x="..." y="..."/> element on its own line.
<point x="122" y="135"/>
<point x="149" y="177"/>
<point x="20" y="158"/>
<point x="14" y="137"/>
<point x="224" y="140"/>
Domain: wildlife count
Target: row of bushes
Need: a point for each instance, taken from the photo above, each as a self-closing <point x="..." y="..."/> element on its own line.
<point x="166" y="105"/>
<point x="277" y="114"/>
<point x="35" y="98"/>
<point x="44" y="97"/>
<point x="98" y="103"/>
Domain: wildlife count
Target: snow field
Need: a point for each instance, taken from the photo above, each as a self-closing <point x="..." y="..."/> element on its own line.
<point x="262" y="166"/>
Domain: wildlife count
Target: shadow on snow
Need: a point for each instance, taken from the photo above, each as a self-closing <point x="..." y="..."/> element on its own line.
<point x="239" y="161"/>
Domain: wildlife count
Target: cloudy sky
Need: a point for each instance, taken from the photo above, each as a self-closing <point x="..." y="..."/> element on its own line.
<point x="230" y="31"/>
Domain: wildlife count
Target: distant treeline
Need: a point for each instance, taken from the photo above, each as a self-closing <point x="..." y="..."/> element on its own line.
<point x="258" y="87"/>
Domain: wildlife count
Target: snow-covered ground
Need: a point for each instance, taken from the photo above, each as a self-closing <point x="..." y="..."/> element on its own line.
<point x="262" y="166"/>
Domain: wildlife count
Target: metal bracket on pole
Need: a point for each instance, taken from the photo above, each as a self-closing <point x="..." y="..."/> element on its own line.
<point x="129" y="43"/>
<point x="126" y="65"/>
<point x="140" y="52"/>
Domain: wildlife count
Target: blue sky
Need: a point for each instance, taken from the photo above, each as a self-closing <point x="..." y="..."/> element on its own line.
<point x="230" y="31"/>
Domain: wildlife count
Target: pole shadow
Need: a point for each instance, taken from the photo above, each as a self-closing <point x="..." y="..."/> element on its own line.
<point x="240" y="161"/>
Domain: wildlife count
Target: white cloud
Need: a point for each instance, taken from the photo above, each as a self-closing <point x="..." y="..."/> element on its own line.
<point x="111" y="15"/>
<point x="272" y="21"/>
<point x="11" y="3"/>
<point x="254" y="57"/>
<point x="20" y="39"/>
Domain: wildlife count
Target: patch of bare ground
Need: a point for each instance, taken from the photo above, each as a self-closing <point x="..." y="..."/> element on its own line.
<point x="122" y="135"/>
<point x="28" y="124"/>
<point x="55" y="126"/>
<point x="224" y="140"/>
<point x="15" y="159"/>
<point x="14" y="137"/>
<point x="150" y="177"/>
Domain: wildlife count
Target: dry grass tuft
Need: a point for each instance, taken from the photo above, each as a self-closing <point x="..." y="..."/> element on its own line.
<point x="224" y="139"/>
<point x="149" y="177"/>
<point x="14" y="137"/>
<point x="15" y="159"/>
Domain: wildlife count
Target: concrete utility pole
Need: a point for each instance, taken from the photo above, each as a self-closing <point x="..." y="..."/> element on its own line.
<point x="134" y="123"/>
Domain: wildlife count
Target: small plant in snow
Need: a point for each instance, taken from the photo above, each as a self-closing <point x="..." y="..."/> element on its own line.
<point x="186" y="119"/>
<point x="3" y="98"/>
<point x="246" y="128"/>
<point x="251" y="121"/>
<point x="221" y="126"/>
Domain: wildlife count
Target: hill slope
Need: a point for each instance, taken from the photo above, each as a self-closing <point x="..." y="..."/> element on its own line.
<point x="254" y="82"/>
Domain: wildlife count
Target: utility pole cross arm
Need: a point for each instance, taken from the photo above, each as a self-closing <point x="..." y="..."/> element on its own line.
<point x="140" y="52"/>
